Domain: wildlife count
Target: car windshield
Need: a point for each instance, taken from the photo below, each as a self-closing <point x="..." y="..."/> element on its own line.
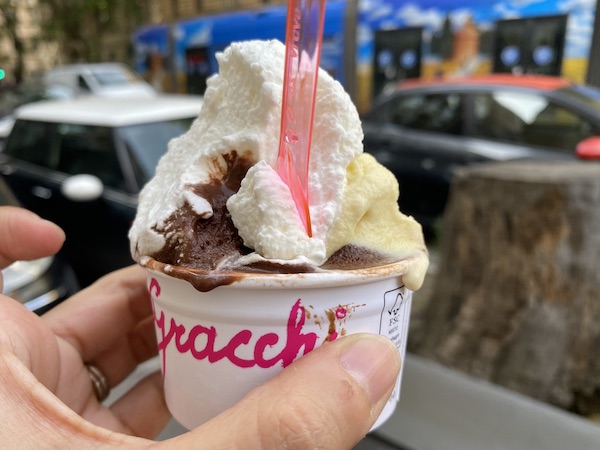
<point x="587" y="94"/>
<point x="148" y="142"/>
<point x="114" y="77"/>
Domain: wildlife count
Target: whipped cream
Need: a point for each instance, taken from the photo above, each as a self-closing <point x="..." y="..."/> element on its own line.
<point x="242" y="112"/>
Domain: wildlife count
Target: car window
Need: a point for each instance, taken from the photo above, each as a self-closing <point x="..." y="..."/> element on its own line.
<point x="83" y="84"/>
<point x="87" y="149"/>
<point x="528" y="119"/>
<point x="69" y="148"/>
<point x="114" y="77"/>
<point x="429" y="112"/>
<point x="146" y="143"/>
<point x="33" y="142"/>
<point x="589" y="95"/>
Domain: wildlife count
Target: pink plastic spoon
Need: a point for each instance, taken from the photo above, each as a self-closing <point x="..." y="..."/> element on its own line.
<point x="304" y="35"/>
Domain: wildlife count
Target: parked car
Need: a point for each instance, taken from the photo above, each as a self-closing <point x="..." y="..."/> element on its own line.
<point x="81" y="163"/>
<point x="424" y="130"/>
<point x="104" y="79"/>
<point x="39" y="284"/>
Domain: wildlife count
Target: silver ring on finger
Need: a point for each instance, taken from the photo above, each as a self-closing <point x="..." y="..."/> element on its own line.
<point x="99" y="382"/>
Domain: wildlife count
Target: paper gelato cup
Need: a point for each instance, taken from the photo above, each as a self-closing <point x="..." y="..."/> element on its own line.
<point x="216" y="346"/>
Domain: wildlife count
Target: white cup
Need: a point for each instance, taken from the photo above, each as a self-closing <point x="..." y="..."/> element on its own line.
<point x="216" y="346"/>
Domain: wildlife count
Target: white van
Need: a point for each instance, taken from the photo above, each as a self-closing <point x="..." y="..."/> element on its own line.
<point x="103" y="79"/>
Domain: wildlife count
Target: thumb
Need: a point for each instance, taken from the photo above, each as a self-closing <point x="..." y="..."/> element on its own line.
<point x="329" y="398"/>
<point x="26" y="236"/>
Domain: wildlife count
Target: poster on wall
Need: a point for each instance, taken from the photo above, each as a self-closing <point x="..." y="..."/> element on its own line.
<point x="470" y="37"/>
<point x="533" y="45"/>
<point x="396" y="57"/>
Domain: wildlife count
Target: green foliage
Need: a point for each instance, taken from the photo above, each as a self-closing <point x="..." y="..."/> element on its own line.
<point x="8" y="30"/>
<point x="79" y="25"/>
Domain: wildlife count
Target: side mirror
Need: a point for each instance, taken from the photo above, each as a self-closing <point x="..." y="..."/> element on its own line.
<point x="82" y="188"/>
<point x="589" y="148"/>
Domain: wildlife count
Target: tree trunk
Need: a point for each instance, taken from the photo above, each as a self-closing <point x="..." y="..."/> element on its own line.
<point x="517" y="296"/>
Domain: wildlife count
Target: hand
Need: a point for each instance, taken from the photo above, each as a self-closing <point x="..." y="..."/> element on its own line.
<point x="329" y="398"/>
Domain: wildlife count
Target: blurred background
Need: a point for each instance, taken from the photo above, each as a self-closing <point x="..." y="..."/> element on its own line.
<point x="91" y="91"/>
<point x="368" y="44"/>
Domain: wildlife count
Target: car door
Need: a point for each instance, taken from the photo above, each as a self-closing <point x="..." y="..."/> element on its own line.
<point x="96" y="228"/>
<point x="419" y="137"/>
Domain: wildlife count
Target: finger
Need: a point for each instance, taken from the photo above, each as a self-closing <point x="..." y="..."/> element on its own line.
<point x="140" y="412"/>
<point x="139" y="345"/>
<point x="26" y="236"/>
<point x="332" y="397"/>
<point x="148" y="395"/>
<point x="32" y="417"/>
<point x="106" y="317"/>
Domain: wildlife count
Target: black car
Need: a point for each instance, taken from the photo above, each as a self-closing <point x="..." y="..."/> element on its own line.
<point x="81" y="164"/>
<point x="40" y="284"/>
<point x="424" y="130"/>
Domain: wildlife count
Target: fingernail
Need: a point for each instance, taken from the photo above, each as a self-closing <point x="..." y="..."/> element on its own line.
<point x="54" y="225"/>
<point x="374" y="362"/>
